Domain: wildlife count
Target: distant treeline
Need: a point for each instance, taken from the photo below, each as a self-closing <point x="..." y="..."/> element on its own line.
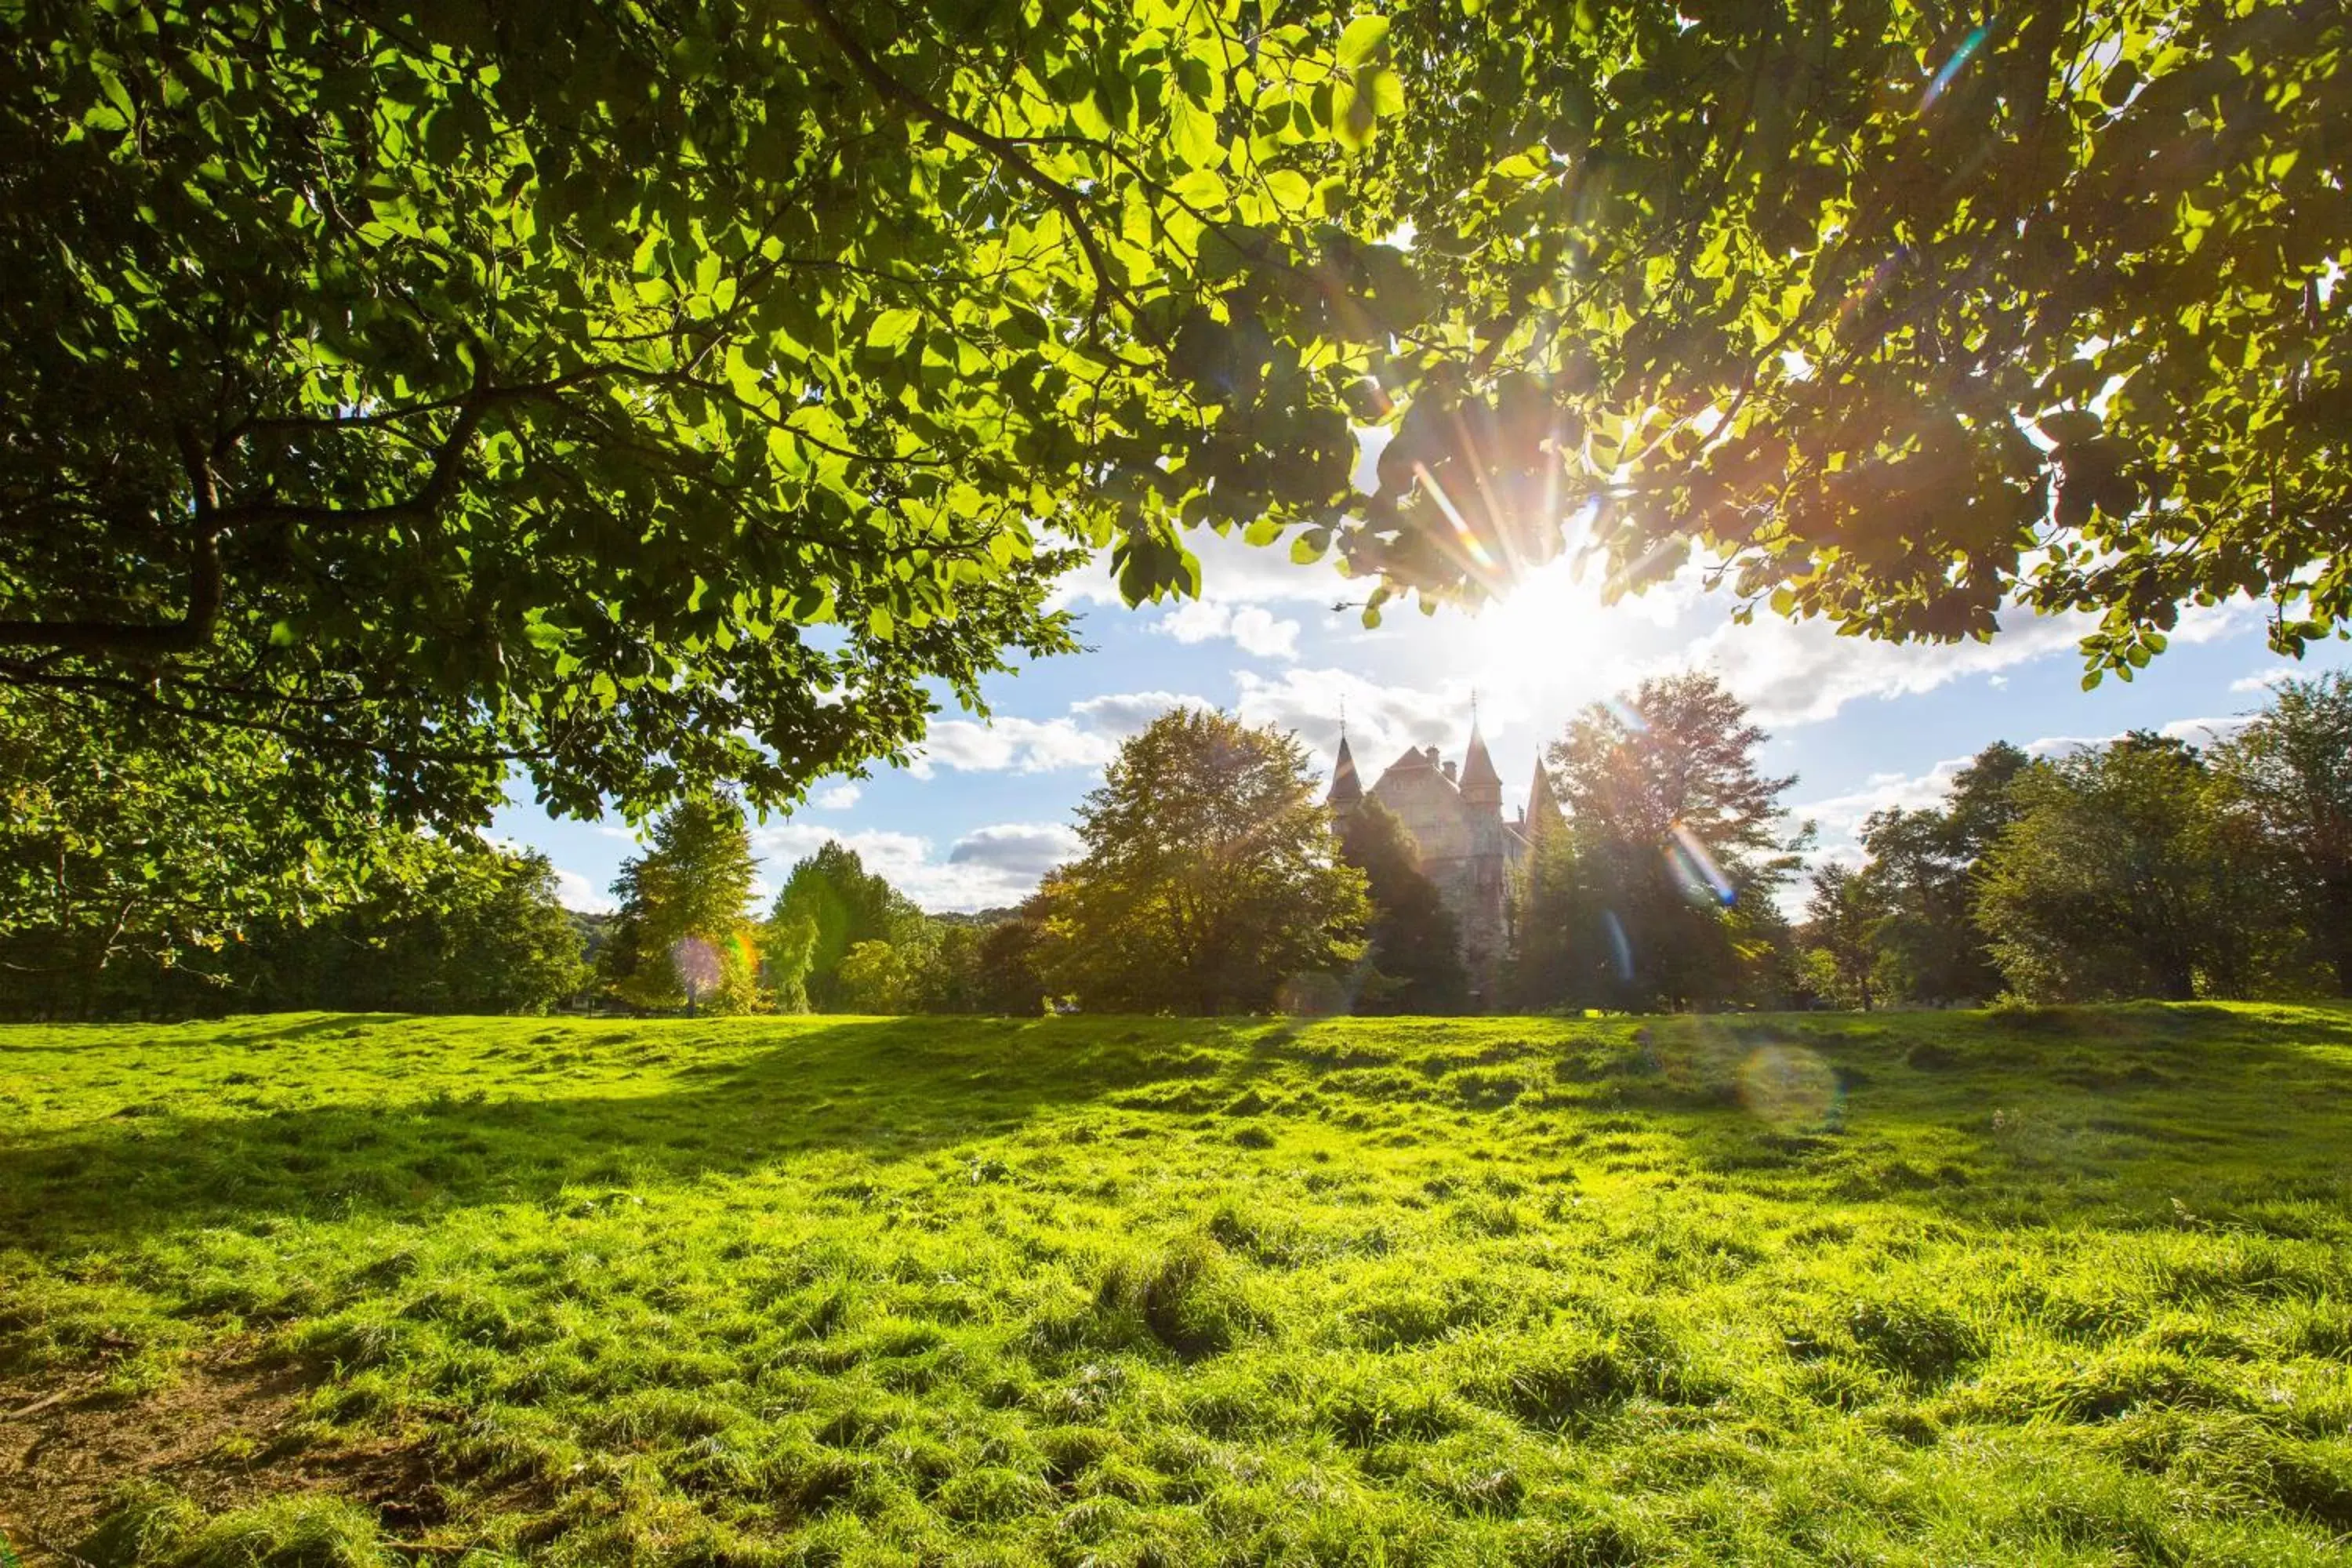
<point x="1212" y="881"/>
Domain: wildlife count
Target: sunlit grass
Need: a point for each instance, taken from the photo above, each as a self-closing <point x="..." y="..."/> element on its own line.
<point x="2053" y="1287"/>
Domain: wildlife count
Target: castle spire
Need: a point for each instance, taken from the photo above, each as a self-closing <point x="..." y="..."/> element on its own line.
<point x="1482" y="786"/>
<point x="1543" y="807"/>
<point x="1347" y="789"/>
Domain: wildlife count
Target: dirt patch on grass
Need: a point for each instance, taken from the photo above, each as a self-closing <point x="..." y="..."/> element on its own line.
<point x="229" y="1430"/>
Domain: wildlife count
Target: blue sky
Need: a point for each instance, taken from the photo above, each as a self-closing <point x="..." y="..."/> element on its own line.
<point x="1862" y="724"/>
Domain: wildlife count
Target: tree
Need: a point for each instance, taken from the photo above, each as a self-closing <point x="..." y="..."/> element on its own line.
<point x="441" y="928"/>
<point x="1210" y="877"/>
<point x="1922" y="874"/>
<point x="138" y="857"/>
<point x="2290" y="772"/>
<point x="149" y="869"/>
<point x="874" y="978"/>
<point x="2121" y="878"/>
<point x="1840" y="936"/>
<point x="681" y="937"/>
<point x="1781" y="293"/>
<point x="1005" y="969"/>
<point x="943" y="969"/>
<point x="1413" y="962"/>
<point x="1659" y="893"/>
<point x="472" y="385"/>
<point x="787" y="948"/>
<point x="650" y="395"/>
<point x="844" y="904"/>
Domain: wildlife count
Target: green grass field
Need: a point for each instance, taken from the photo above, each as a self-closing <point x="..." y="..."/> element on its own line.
<point x="2042" y="1288"/>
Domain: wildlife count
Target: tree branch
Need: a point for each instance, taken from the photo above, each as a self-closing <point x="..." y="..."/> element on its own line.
<point x="892" y="89"/>
<point x="194" y="627"/>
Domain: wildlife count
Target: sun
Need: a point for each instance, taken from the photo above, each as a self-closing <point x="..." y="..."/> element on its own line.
<point x="1549" y="626"/>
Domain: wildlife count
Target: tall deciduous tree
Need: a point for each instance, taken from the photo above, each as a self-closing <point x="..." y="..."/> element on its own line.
<point x="2289" y="771"/>
<point x="1838" y="939"/>
<point x="2120" y="877"/>
<point x="682" y="936"/>
<point x="1413" y="961"/>
<point x="441" y="387"/>
<point x="1005" y="969"/>
<point x="844" y="904"/>
<point x="1923" y="870"/>
<point x="1659" y="894"/>
<point x="1211" y="876"/>
<point x="135" y="848"/>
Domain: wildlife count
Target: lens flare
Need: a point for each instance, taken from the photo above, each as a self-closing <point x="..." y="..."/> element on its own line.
<point x="1953" y="67"/>
<point x="1621" y="950"/>
<point x="1463" y="533"/>
<point x="1789" y="1085"/>
<point x="1625" y="713"/>
<point x="696" y="962"/>
<point x="1696" y="869"/>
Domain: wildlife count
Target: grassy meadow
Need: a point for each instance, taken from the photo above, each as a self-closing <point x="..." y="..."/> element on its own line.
<point x="2053" y="1287"/>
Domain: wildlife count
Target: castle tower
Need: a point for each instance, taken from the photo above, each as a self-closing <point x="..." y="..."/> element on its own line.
<point x="1482" y="786"/>
<point x="1465" y="846"/>
<point x="1347" y="790"/>
<point x="1543" y="812"/>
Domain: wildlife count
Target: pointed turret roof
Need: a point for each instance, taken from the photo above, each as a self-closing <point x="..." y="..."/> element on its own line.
<point x="1543" y="805"/>
<point x="1345" y="788"/>
<point x="1477" y="767"/>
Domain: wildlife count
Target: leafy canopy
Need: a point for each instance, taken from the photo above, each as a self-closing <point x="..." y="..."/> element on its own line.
<point x="2287" y="775"/>
<point x="2120" y="877"/>
<point x="1886" y="312"/>
<point x="650" y="394"/>
<point x="645" y="394"/>
<point x="1210" y="877"/>
<point x="681" y="935"/>
<point x="1659" y="892"/>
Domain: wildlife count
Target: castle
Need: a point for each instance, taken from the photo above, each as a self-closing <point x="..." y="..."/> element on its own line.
<point x="1468" y="847"/>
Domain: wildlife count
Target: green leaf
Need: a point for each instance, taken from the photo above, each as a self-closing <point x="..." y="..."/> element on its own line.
<point x="892" y="329"/>
<point x="1364" y="37"/>
<point x="1194" y="134"/>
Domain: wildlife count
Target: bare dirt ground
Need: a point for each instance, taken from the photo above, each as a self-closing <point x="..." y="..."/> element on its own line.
<point x="227" y="1431"/>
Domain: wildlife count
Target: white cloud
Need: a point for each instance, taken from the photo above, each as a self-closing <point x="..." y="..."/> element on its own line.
<point x="1840" y="815"/>
<point x="992" y="876"/>
<point x="1027" y="849"/>
<point x="1802" y="672"/>
<point x="1382" y="720"/>
<point x="1252" y="626"/>
<point x="574" y="892"/>
<point x="2205" y="732"/>
<point x="1022" y="745"/>
<point x="840" y="797"/>
<point x="2264" y="679"/>
<point x="1125" y="713"/>
<point x="1087" y="737"/>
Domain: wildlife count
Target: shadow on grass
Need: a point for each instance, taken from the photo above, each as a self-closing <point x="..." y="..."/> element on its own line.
<point x="892" y="1088"/>
<point x="2030" y="1115"/>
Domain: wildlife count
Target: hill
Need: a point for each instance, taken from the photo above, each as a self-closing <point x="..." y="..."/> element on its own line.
<point x="2066" y="1287"/>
